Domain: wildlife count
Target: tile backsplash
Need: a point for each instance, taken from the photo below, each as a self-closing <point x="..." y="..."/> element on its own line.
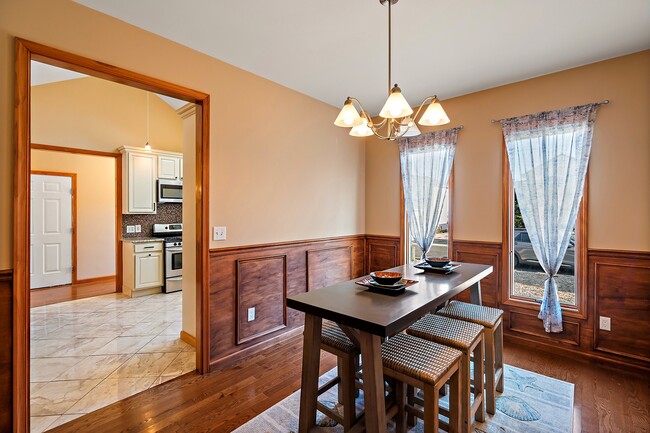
<point x="166" y="213"/>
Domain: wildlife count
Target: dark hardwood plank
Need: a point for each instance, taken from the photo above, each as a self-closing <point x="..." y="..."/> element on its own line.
<point x="606" y="399"/>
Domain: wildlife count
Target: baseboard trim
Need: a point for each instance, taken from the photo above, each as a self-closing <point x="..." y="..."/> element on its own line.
<point x="106" y="278"/>
<point x="234" y="358"/>
<point x="189" y="339"/>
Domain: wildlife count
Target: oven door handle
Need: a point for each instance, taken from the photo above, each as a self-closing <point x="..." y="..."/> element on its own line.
<point x="174" y="250"/>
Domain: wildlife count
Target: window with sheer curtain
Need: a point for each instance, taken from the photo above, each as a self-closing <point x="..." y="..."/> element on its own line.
<point x="548" y="155"/>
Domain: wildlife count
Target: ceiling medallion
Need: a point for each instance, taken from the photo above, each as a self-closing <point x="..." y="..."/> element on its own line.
<point x="398" y="120"/>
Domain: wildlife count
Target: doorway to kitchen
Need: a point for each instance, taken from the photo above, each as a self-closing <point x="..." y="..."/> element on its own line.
<point x="198" y="186"/>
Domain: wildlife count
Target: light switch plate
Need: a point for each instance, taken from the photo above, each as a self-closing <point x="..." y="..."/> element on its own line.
<point x="138" y="228"/>
<point x="130" y="229"/>
<point x="605" y="323"/>
<point x="219" y="233"/>
<point x="251" y="314"/>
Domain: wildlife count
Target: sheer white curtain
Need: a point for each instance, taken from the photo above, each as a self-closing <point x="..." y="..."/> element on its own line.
<point x="426" y="162"/>
<point x="548" y="154"/>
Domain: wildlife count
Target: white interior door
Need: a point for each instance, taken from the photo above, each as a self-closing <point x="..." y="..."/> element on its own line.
<point x="51" y="231"/>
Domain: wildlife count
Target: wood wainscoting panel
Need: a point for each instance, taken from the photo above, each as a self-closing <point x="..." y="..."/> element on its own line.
<point x="484" y="253"/>
<point x="6" y="365"/>
<point x="261" y="284"/>
<point x="620" y="282"/>
<point x="238" y="274"/>
<point x="382" y="252"/>
<point x="526" y="322"/>
<point x="328" y="266"/>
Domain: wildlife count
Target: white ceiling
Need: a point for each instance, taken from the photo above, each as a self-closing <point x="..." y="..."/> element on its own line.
<point x="42" y="73"/>
<point x="335" y="48"/>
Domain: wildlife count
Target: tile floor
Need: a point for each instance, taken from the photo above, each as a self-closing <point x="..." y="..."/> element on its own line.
<point x="89" y="353"/>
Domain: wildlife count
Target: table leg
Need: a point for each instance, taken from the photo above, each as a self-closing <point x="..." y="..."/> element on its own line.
<point x="310" y="367"/>
<point x="373" y="382"/>
<point x="475" y="293"/>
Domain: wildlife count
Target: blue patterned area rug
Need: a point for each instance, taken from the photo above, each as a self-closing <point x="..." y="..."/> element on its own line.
<point x="530" y="403"/>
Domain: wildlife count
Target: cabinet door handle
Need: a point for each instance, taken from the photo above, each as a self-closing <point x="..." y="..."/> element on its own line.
<point x="149" y="255"/>
<point x="154" y="207"/>
<point x="149" y="247"/>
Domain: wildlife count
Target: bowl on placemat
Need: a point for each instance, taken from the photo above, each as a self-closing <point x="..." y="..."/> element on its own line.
<point x="437" y="262"/>
<point x="386" y="278"/>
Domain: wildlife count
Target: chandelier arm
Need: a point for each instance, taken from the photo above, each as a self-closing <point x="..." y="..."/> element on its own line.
<point x="432" y="98"/>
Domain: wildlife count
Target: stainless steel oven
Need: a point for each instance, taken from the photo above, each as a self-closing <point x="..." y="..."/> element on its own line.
<point x="173" y="255"/>
<point x="170" y="191"/>
<point x="173" y="266"/>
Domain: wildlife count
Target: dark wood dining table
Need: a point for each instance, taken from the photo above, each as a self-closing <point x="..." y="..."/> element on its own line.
<point x="367" y="318"/>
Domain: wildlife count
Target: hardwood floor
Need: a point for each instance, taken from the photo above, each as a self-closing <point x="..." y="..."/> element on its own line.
<point x="606" y="400"/>
<point x="54" y="295"/>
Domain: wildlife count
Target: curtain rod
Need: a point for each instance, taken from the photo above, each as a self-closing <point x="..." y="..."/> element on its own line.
<point x="605" y="102"/>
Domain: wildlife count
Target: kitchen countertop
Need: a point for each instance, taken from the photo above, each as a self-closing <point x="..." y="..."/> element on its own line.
<point x="141" y="240"/>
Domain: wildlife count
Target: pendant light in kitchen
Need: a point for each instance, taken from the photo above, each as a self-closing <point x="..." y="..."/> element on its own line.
<point x="147" y="146"/>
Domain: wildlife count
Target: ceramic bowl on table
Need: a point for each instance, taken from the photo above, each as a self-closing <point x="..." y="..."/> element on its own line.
<point x="386" y="278"/>
<point x="437" y="262"/>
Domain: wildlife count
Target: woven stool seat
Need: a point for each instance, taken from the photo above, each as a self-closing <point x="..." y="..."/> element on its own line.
<point x="445" y="330"/>
<point x="485" y="316"/>
<point x="333" y="336"/>
<point x="418" y="358"/>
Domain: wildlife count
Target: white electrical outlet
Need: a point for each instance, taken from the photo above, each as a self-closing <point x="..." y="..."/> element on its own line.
<point x="251" y="314"/>
<point x="219" y="233"/>
<point x="605" y="323"/>
<point x="130" y="229"/>
<point x="138" y="228"/>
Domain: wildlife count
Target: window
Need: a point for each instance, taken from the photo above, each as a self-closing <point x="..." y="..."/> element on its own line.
<point x="441" y="246"/>
<point x="528" y="276"/>
<point x="524" y="276"/>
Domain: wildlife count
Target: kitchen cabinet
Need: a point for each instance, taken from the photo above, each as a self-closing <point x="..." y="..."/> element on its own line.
<point x="143" y="267"/>
<point x="170" y="167"/>
<point x="139" y="182"/>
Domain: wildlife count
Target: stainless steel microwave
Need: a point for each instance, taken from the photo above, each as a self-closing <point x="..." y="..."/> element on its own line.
<point x="170" y="191"/>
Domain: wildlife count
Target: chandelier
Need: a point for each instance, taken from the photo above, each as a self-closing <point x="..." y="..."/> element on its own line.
<point x="397" y="115"/>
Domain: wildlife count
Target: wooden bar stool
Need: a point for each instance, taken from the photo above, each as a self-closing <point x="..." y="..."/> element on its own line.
<point x="491" y="320"/>
<point x="468" y="338"/>
<point x="334" y="340"/>
<point x="426" y="365"/>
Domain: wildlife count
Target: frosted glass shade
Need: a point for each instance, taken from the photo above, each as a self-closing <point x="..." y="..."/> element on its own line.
<point x="396" y="105"/>
<point x="434" y="115"/>
<point x="362" y="130"/>
<point x="413" y="129"/>
<point x="349" y="116"/>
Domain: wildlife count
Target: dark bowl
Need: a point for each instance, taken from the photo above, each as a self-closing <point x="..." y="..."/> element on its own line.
<point x="386" y="278"/>
<point x="437" y="262"/>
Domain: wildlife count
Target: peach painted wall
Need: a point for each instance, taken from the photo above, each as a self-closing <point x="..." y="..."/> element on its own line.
<point x="91" y="113"/>
<point x="619" y="169"/>
<point x="95" y="207"/>
<point x="269" y="182"/>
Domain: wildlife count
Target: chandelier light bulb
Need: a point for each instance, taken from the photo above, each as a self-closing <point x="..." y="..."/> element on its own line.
<point x="349" y="116"/>
<point x="362" y="130"/>
<point x="434" y="115"/>
<point x="396" y="105"/>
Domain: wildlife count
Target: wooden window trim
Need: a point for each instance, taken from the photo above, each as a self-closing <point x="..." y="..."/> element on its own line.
<point x="403" y="257"/>
<point x="579" y="310"/>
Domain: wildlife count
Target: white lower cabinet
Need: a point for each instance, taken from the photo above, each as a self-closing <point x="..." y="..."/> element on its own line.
<point x="143" y="268"/>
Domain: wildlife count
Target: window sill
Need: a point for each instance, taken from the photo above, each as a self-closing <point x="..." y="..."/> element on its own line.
<point x="533" y="304"/>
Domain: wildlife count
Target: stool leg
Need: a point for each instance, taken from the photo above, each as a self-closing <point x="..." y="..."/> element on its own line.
<point x="339" y="370"/>
<point x="455" y="402"/>
<point x="489" y="372"/>
<point x="400" y="401"/>
<point x="465" y="386"/>
<point x="410" y="393"/>
<point x="348" y="391"/>
<point x="479" y="388"/>
<point x="431" y="421"/>
<point x="498" y="341"/>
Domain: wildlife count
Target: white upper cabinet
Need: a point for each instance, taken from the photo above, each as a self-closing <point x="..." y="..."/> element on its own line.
<point x="140" y="171"/>
<point x="169" y="167"/>
<point x="140" y="183"/>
